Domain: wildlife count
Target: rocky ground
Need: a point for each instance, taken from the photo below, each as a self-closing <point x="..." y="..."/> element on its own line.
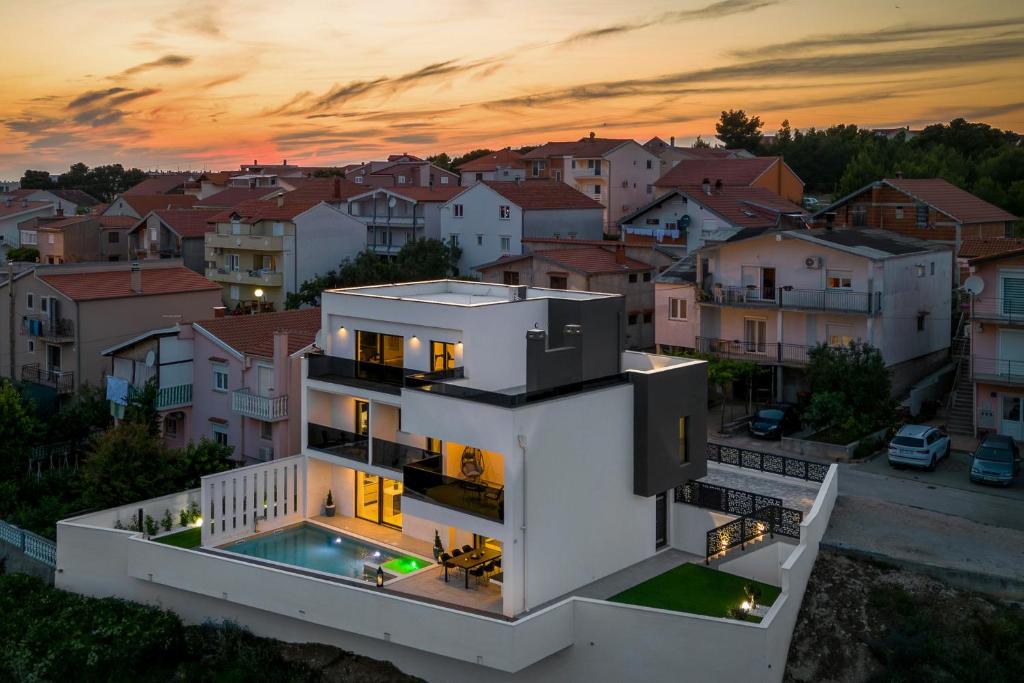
<point x="866" y="621"/>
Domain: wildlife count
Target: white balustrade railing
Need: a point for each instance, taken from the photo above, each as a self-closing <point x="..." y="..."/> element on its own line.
<point x="260" y="497"/>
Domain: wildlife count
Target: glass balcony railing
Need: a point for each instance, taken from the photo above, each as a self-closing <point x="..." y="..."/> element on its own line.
<point x="338" y="442"/>
<point x="354" y="373"/>
<point x="424" y="480"/>
<point x="395" y="456"/>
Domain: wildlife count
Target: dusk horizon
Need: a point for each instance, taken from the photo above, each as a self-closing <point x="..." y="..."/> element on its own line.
<point x="219" y="85"/>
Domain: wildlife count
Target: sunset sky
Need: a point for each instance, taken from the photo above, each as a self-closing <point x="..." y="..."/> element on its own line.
<point x="214" y="84"/>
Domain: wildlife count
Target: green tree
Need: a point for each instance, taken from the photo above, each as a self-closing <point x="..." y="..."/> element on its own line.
<point x="127" y="463"/>
<point x="442" y="160"/>
<point x="701" y="143"/>
<point x="23" y="254"/>
<point x="857" y="374"/>
<point x="469" y="156"/>
<point x="427" y="259"/>
<point x="196" y="460"/>
<point x="86" y="413"/>
<point x="36" y="180"/>
<point x="141" y="408"/>
<point x="736" y="130"/>
<point x="19" y="430"/>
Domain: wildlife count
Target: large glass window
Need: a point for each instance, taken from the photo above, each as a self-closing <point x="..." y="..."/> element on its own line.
<point x="442" y="356"/>
<point x="362" y="417"/>
<point x="379" y="500"/>
<point x="385" y="349"/>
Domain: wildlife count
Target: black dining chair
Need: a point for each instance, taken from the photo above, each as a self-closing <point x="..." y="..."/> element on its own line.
<point x="477" y="574"/>
<point x="456" y="552"/>
<point x="497" y="563"/>
<point x="467" y="548"/>
<point x="444" y="561"/>
<point x="489" y="568"/>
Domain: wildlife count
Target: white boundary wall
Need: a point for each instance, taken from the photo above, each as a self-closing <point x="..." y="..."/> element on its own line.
<point x="575" y="639"/>
<point x="128" y="514"/>
<point x="270" y="494"/>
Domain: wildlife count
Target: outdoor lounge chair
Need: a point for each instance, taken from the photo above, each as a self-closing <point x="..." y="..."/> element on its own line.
<point x="472" y="463"/>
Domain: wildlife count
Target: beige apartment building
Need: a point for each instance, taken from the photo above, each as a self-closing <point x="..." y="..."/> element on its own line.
<point x="65" y="315"/>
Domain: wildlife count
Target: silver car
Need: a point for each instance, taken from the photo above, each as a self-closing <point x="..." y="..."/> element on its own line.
<point x="918" y="446"/>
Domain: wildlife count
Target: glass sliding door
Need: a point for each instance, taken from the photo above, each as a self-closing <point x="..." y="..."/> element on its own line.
<point x="379" y="500"/>
<point x="391" y="503"/>
<point x="384" y="349"/>
<point x="362" y="418"/>
<point x="442" y="356"/>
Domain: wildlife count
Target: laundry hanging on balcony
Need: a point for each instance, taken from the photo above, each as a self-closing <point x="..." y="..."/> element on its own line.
<point x="117" y="390"/>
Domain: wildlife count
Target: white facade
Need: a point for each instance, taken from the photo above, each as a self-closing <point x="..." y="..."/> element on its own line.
<point x="631" y="176"/>
<point x="10" y="236"/>
<point x="324" y="237"/>
<point x="500" y="174"/>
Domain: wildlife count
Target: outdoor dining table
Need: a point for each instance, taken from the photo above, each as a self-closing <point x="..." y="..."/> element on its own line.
<point x="471" y="560"/>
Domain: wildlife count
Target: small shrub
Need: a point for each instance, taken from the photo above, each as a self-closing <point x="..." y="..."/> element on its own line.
<point x="867" y="447"/>
<point x="167" y="522"/>
<point x="738" y="613"/>
<point x="183" y="518"/>
<point x="151" y="526"/>
<point x="193" y="512"/>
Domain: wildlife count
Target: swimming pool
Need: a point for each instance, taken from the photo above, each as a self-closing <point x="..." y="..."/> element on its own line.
<point x="323" y="550"/>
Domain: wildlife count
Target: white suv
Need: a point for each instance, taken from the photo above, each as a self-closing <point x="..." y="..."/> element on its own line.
<point x="919" y="446"/>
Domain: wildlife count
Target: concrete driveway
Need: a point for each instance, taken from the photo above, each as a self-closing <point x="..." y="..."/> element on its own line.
<point x="953" y="472"/>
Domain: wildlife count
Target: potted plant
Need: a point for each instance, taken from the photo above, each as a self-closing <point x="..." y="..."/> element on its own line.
<point x="438" y="548"/>
<point x="329" y="504"/>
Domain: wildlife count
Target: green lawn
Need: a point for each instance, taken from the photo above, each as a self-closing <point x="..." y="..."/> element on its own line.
<point x="696" y="589"/>
<point x="189" y="538"/>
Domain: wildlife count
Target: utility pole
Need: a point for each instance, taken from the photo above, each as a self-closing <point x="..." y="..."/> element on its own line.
<point x="10" y="312"/>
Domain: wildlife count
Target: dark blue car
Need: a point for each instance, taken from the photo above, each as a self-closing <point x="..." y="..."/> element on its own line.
<point x="996" y="461"/>
<point x="774" y="422"/>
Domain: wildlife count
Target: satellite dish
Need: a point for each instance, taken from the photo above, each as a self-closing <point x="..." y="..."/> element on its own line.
<point x="150" y="359"/>
<point x="392" y="202"/>
<point x="974" y="285"/>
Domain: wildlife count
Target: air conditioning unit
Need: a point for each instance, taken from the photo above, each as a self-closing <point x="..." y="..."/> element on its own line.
<point x="266" y="453"/>
<point x="813" y="262"/>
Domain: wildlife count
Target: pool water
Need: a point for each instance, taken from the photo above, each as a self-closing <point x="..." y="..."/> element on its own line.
<point x="313" y="547"/>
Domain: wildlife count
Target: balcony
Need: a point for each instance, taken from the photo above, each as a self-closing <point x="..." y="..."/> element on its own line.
<point x="997" y="370"/>
<point x="395" y="456"/>
<point x="424" y="480"/>
<point x="772" y="353"/>
<point x="263" y="278"/>
<point x="60" y="329"/>
<point x="1005" y="310"/>
<point x="830" y="300"/>
<point x="266" y="408"/>
<point x="216" y="240"/>
<point x="354" y="373"/>
<point x="176" y="396"/>
<point x="338" y="442"/>
<point x="63" y="382"/>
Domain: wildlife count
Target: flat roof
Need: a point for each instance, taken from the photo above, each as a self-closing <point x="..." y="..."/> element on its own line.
<point x="463" y="293"/>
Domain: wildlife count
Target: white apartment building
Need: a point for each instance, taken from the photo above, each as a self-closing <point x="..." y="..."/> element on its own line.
<point x="489" y="219"/>
<point x="773" y="296"/>
<point x="505" y="432"/>
<point x="618" y="173"/>
<point x="394" y="216"/>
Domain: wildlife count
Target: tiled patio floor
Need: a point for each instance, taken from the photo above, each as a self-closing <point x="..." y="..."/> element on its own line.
<point x="795" y="493"/>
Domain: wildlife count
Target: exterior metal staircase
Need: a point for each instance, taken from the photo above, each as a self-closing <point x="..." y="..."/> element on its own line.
<point x="960" y="405"/>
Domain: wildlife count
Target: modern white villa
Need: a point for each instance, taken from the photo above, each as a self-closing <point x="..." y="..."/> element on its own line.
<point x="482" y="467"/>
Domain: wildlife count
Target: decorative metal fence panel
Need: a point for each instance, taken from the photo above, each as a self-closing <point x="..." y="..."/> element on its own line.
<point x="767" y="462"/>
<point x="770" y="520"/>
<point x="38" y="548"/>
<point x="723" y="498"/>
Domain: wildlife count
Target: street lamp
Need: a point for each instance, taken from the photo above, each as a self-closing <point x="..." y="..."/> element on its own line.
<point x="259" y="300"/>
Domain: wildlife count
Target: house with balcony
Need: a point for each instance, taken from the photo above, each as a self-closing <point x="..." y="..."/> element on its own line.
<point x="587" y="268"/>
<point x="490" y="219"/>
<point x="926" y="208"/>
<point x="690" y="216"/>
<point x="163" y="357"/>
<point x="770" y="173"/>
<point x="505" y="164"/>
<point x="65" y="316"/>
<point x="260" y="251"/>
<point x="137" y="205"/>
<point x="457" y="509"/>
<point x="670" y="155"/>
<point x="995" y="342"/>
<point x="393" y="216"/>
<point x="63" y="239"/>
<point x="618" y="173"/>
<point x="173" y="233"/>
<point x="772" y="296"/>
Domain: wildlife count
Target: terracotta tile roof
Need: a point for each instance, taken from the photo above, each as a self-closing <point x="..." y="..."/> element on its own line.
<point x="218" y="177"/>
<point x="77" y="197"/>
<point x="562" y="240"/>
<point x="233" y="196"/>
<point x="159" y="184"/>
<point x="745" y="207"/>
<point x="322" y="189"/>
<point x="989" y="246"/>
<point x="19" y="206"/>
<point x="402" y="168"/>
<point x="542" y="194"/>
<point x="951" y="200"/>
<point x="186" y="222"/>
<point x="117" y="221"/>
<point x="115" y="284"/>
<point x="56" y="223"/>
<point x="584" y="148"/>
<point x="403" y="157"/>
<point x="254" y="334"/>
<point x="729" y="171"/>
<point x="144" y="203"/>
<point x="257" y="210"/>
<point x="589" y="260"/>
<point x="503" y="158"/>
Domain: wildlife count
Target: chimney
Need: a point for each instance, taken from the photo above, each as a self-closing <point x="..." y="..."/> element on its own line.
<point x="591" y="136"/>
<point x="284" y="163"/>
<point x="280" y="200"/>
<point x="672" y="141"/>
<point x="219" y="311"/>
<point x="899" y="175"/>
<point x="135" y="278"/>
<point x="620" y="253"/>
<point x="706" y="186"/>
<point x="718" y="185"/>
<point x="253" y="162"/>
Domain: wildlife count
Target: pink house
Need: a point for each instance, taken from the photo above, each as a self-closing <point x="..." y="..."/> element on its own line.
<point x="232" y="379"/>
<point x="997" y="340"/>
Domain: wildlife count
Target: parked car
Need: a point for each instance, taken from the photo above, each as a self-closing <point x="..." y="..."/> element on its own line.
<point x="918" y="446"/>
<point x="810" y="203"/>
<point x="774" y="421"/>
<point x="996" y="460"/>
